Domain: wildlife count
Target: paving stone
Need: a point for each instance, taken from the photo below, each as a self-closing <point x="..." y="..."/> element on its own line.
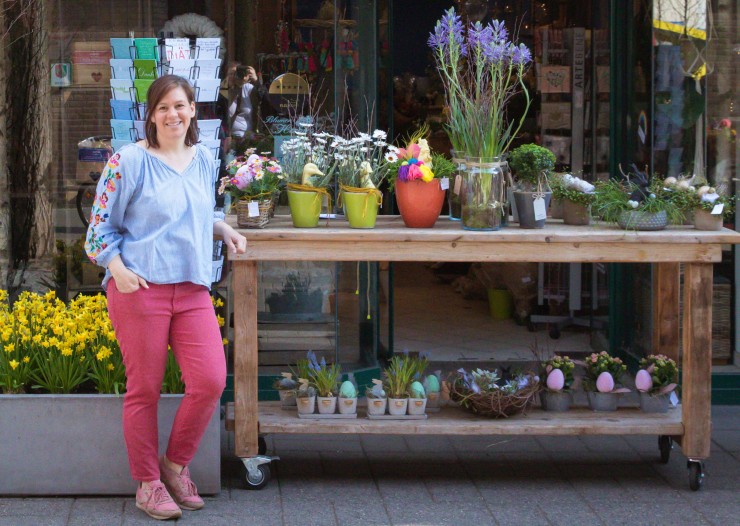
<point x="727" y="439"/>
<point x="93" y="512"/>
<point x="382" y="443"/>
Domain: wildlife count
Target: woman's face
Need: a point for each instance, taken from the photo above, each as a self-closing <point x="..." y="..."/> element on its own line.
<point x="172" y="115"/>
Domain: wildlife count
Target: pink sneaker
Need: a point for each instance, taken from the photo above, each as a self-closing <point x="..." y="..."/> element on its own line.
<point x="156" y="502"/>
<point x="182" y="488"/>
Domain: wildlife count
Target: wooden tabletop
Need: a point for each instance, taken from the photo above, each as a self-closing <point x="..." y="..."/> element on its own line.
<point x="334" y="240"/>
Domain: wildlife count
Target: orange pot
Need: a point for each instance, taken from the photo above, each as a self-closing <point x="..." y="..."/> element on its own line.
<point x="419" y="203"/>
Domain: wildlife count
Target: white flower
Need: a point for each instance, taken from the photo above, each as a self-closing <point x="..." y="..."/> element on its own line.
<point x="380" y="134"/>
<point x="380" y="144"/>
<point x="393" y="149"/>
<point x="391" y="157"/>
<point x="305" y="124"/>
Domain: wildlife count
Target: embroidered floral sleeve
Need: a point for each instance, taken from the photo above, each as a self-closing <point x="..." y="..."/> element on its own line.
<point x="111" y="198"/>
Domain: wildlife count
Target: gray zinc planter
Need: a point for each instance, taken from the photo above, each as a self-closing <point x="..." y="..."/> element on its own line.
<point x="73" y="445"/>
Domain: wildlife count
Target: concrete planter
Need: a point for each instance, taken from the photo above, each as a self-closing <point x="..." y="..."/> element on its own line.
<point x="73" y="445"/>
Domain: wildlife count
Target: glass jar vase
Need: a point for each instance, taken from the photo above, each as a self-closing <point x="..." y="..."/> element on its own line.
<point x="483" y="199"/>
<point x="454" y="194"/>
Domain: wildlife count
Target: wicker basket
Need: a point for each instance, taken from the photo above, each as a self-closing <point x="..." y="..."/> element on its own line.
<point x="495" y="404"/>
<point x="242" y="214"/>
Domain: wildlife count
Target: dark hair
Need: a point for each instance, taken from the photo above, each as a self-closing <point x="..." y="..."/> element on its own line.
<point x="157" y="91"/>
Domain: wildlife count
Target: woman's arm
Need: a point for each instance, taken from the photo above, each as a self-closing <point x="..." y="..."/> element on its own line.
<point x="236" y="242"/>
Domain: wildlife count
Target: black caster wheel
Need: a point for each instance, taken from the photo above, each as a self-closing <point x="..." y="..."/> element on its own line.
<point x="555" y="332"/>
<point x="665" y="444"/>
<point x="258" y="481"/>
<point x="696" y="475"/>
<point x="261" y="446"/>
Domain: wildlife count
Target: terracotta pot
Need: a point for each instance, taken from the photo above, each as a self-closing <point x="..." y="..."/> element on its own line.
<point x="420" y="203"/>
<point x="576" y="213"/>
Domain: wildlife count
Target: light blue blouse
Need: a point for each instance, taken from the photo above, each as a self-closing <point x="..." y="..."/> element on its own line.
<point x="159" y="221"/>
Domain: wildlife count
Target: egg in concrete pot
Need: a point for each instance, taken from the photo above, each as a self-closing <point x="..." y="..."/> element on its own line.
<point x="431" y="384"/>
<point x="555" y="380"/>
<point x="347" y="390"/>
<point x="643" y="380"/>
<point x="605" y="383"/>
<point x="417" y="390"/>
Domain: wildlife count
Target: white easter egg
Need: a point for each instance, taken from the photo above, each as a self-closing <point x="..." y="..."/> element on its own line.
<point x="605" y="383"/>
<point x="669" y="181"/>
<point x="643" y="380"/>
<point x="702" y="190"/>
<point x="555" y="380"/>
<point x="683" y="184"/>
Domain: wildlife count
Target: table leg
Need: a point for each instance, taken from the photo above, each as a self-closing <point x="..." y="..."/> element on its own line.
<point x="245" y="358"/>
<point x="666" y="288"/>
<point x="697" y="360"/>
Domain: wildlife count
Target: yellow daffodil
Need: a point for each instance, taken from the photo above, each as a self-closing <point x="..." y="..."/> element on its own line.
<point x="10" y="347"/>
<point x="13" y="364"/>
<point x="26" y="359"/>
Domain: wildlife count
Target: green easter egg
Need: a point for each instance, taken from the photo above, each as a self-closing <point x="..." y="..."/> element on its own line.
<point x="432" y="383"/>
<point x="417" y="390"/>
<point x="347" y="390"/>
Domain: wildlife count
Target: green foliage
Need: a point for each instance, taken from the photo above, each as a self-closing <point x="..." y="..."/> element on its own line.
<point x="565" y="364"/>
<point x="399" y="375"/>
<point x="559" y="191"/>
<point x="172" y="382"/>
<point x="598" y="363"/>
<point x="664" y="371"/>
<point x="613" y="198"/>
<point x="325" y="379"/>
<point x="532" y="163"/>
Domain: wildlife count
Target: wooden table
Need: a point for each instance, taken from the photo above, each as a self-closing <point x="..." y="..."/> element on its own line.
<point x="690" y="425"/>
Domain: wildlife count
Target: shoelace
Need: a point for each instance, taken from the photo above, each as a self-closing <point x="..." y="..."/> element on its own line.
<point x="187" y="486"/>
<point x="159" y="495"/>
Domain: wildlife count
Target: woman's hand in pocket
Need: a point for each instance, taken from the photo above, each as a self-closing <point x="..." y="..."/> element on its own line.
<point x="126" y="280"/>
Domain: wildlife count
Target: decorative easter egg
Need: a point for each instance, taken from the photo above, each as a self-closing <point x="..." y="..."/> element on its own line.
<point x="431" y="384"/>
<point x="683" y="185"/>
<point x="670" y="181"/>
<point x="702" y="190"/>
<point x="605" y="383"/>
<point x="417" y="390"/>
<point x="347" y="390"/>
<point x="555" y="380"/>
<point x="643" y="380"/>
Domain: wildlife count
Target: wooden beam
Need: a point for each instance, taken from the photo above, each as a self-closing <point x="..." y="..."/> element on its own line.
<point x="666" y="289"/>
<point x="245" y="358"/>
<point x="697" y="360"/>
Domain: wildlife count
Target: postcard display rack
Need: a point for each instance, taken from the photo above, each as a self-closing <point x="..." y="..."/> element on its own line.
<point x="137" y="62"/>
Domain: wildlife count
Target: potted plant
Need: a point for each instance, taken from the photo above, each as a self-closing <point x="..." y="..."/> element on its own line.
<point x="305" y="397"/>
<point x="601" y="382"/>
<point x="286" y="388"/>
<point x="634" y="202"/>
<point x="296" y="296"/>
<point x="254" y="184"/>
<point x="347" y="402"/>
<point x="532" y="164"/>
<point x="432" y="387"/>
<point x="363" y="162"/>
<point x="710" y="208"/>
<point x="486" y="393"/>
<point x="416" y="179"/>
<point x="417" y="398"/>
<point x="576" y="197"/>
<point x="61" y="368"/>
<point x="398" y="378"/>
<point x="557" y="379"/>
<point x="324" y="378"/>
<point x="655" y="380"/>
<point x="308" y="167"/>
<point x="377" y="399"/>
<point x="482" y="68"/>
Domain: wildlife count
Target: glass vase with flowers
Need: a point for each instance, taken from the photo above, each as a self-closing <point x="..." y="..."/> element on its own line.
<point x="482" y="69"/>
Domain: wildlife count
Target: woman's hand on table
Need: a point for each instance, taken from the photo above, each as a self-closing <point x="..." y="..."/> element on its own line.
<point x="236" y="242"/>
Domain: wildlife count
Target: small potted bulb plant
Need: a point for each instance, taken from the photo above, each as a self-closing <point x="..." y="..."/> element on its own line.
<point x="324" y="378"/>
<point x="398" y="378"/>
<point x="557" y="378"/>
<point x="347" y="402"/>
<point x="655" y="381"/>
<point x="601" y="382"/>
<point x="286" y="387"/>
<point x="417" y="399"/>
<point x="532" y="164"/>
<point x="711" y="208"/>
<point x="432" y="387"/>
<point x="377" y="399"/>
<point x="305" y="397"/>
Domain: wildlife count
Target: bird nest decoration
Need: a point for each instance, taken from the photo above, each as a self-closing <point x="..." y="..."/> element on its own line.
<point x="484" y="393"/>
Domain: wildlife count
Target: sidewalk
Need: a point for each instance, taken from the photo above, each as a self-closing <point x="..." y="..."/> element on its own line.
<point x="371" y="481"/>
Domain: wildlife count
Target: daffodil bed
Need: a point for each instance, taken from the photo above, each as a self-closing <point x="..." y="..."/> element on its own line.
<point x="47" y="346"/>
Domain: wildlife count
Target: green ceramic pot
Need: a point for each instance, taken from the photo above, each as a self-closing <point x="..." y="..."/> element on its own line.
<point x="305" y="208"/>
<point x="360" y="208"/>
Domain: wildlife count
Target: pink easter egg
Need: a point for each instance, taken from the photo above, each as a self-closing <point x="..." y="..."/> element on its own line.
<point x="555" y="380"/>
<point x="643" y="380"/>
<point x="605" y="383"/>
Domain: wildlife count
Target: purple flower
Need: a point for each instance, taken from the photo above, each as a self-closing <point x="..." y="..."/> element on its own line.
<point x="448" y="32"/>
<point x="478" y="36"/>
<point x="498" y="30"/>
<point x="521" y="56"/>
<point x="495" y="52"/>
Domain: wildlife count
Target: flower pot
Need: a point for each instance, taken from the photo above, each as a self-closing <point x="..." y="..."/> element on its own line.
<point x="603" y="401"/>
<point x="556" y="208"/>
<point x="555" y="401"/>
<point x="576" y="213"/>
<point x="306" y="404"/>
<point x="243" y="219"/>
<point x="398" y="406"/>
<point x="483" y="198"/>
<point x="433" y="400"/>
<point x="646" y="221"/>
<point x="327" y="404"/>
<point x="305" y="208"/>
<point x="376" y="406"/>
<point x="454" y="196"/>
<point x="525" y="208"/>
<point x="417" y="406"/>
<point x="654" y="403"/>
<point x="419" y="203"/>
<point x="500" y="304"/>
<point x="361" y="208"/>
<point x="287" y="397"/>
<point x="704" y="220"/>
<point x="347" y="406"/>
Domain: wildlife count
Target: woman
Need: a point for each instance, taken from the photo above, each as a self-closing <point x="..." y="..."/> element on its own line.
<point x="152" y="228"/>
<point x="243" y="98"/>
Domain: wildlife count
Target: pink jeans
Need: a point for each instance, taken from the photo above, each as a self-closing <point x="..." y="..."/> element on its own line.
<point x="146" y="321"/>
